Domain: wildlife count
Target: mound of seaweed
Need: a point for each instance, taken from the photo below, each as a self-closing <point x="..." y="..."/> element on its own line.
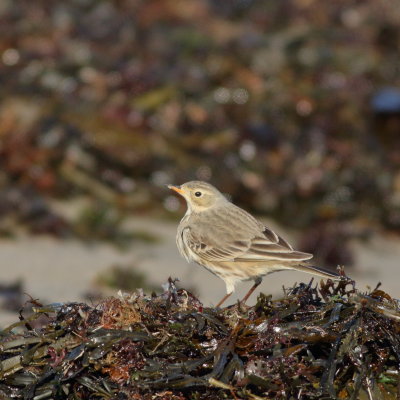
<point x="326" y="341"/>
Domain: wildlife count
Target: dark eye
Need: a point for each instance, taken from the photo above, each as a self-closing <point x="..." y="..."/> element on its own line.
<point x="197" y="194"/>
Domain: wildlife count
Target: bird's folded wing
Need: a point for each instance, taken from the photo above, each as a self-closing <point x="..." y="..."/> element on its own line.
<point x="262" y="246"/>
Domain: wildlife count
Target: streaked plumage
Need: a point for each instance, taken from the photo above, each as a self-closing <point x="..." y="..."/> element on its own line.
<point x="230" y="242"/>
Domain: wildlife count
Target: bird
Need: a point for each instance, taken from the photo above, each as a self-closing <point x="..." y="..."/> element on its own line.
<point x="231" y="243"/>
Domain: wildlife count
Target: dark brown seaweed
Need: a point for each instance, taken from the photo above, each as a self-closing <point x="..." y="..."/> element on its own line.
<point x="326" y="342"/>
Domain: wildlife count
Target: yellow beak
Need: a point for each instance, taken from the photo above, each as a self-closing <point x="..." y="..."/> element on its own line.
<point x="176" y="189"/>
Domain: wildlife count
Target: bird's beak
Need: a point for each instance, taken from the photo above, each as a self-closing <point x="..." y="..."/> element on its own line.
<point x="176" y="189"/>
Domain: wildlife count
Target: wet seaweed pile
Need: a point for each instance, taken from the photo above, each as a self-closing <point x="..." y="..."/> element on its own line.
<point x="329" y="341"/>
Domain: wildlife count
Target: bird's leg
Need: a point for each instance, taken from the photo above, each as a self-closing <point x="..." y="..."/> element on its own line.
<point x="223" y="299"/>
<point x="257" y="283"/>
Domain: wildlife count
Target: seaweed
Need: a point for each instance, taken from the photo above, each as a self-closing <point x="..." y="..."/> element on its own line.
<point x="326" y="341"/>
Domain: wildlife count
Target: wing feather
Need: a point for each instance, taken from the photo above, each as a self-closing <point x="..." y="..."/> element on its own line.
<point x="262" y="246"/>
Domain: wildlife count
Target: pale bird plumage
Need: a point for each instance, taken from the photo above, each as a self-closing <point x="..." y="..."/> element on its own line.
<point x="230" y="242"/>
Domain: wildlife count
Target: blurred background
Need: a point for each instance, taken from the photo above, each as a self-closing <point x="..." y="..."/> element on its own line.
<point x="290" y="107"/>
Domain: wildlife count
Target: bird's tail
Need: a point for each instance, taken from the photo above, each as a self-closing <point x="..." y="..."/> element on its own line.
<point x="312" y="269"/>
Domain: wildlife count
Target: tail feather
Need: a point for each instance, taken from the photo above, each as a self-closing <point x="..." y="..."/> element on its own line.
<point x="312" y="269"/>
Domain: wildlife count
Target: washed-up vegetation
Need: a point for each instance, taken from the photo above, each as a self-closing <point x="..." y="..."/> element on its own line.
<point x="330" y="341"/>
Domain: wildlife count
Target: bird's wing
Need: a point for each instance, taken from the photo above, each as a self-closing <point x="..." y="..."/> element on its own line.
<point x="261" y="246"/>
<point x="269" y="246"/>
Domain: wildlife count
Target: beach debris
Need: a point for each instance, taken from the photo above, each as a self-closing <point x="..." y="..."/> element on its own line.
<point x="317" y="341"/>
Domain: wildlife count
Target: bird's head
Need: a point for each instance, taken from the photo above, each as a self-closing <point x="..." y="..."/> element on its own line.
<point x="199" y="196"/>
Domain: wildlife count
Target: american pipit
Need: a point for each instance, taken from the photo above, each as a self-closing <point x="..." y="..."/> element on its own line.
<point x="231" y="243"/>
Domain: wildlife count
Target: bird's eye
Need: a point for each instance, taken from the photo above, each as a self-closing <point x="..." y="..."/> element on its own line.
<point x="197" y="194"/>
